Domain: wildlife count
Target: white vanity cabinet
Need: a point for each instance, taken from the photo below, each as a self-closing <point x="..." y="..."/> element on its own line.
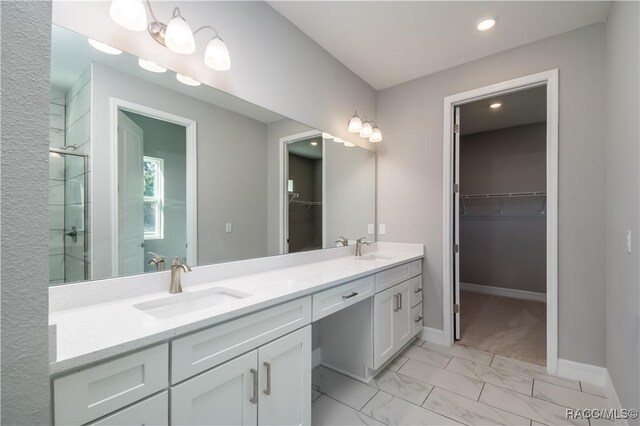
<point x="268" y="386"/>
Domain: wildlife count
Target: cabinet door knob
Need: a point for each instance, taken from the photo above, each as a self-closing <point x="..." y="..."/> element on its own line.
<point x="254" y="398"/>
<point x="267" y="391"/>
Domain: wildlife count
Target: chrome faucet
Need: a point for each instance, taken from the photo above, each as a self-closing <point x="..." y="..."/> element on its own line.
<point x="176" y="269"/>
<point x="359" y="244"/>
<point x="342" y="240"/>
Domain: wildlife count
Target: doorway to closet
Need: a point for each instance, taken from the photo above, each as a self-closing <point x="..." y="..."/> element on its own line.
<point x="500" y="219"/>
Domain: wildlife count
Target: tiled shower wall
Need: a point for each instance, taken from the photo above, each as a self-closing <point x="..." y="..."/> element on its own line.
<point x="70" y="127"/>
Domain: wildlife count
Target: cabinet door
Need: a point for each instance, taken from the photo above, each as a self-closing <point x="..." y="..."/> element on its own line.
<point x="226" y="395"/>
<point x="285" y="380"/>
<point x="384" y="307"/>
<point x="402" y="321"/>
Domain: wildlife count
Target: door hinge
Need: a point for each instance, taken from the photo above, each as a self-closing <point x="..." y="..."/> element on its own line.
<point x="456" y="128"/>
<point x="456" y="188"/>
<point x="456" y="248"/>
<point x="456" y="308"/>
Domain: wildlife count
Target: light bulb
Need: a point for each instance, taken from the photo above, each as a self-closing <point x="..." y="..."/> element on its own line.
<point x="129" y="14"/>
<point x="496" y="105"/>
<point x="366" y="130"/>
<point x="349" y="144"/>
<point x="104" y="48"/>
<point x="178" y="36"/>
<point x="355" y="124"/>
<point x="338" y="140"/>
<point x="486" y="24"/>
<point x="216" y="56"/>
<point x="187" y="80"/>
<point x="150" y="66"/>
<point x="376" y="135"/>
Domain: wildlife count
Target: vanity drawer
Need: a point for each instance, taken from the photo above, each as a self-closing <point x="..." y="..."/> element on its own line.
<point x="152" y="411"/>
<point x="339" y="297"/>
<point x="415" y="287"/>
<point x="202" y="350"/>
<point x="396" y="275"/>
<point x="95" y="391"/>
<point x="416" y="318"/>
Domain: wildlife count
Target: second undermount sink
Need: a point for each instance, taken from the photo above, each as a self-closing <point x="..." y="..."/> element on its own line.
<point x="374" y="256"/>
<point x="187" y="302"/>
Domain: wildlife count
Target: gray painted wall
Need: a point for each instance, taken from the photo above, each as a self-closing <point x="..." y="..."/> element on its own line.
<point x="411" y="116"/>
<point x="167" y="141"/>
<point x="231" y="168"/>
<point x="505" y="250"/>
<point x="623" y="200"/>
<point x="25" y="56"/>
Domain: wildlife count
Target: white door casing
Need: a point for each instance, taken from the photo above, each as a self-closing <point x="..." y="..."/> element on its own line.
<point x="456" y="220"/>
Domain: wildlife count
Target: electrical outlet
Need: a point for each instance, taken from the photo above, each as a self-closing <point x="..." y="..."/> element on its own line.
<point x="370" y="229"/>
<point x="628" y="237"/>
<point x="382" y="229"/>
<point x="228" y="227"/>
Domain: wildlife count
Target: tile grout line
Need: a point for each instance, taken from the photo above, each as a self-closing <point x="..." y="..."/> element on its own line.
<point x="368" y="401"/>
<point x="481" y="390"/>
<point x="533" y="385"/>
<point x="425" y="400"/>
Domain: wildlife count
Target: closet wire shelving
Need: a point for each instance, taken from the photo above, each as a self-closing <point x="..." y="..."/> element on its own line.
<point x="501" y="196"/>
<point x="293" y="199"/>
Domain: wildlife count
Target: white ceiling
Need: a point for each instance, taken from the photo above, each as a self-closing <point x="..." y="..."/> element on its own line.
<point x="518" y="108"/>
<point x="71" y="55"/>
<point x="391" y="42"/>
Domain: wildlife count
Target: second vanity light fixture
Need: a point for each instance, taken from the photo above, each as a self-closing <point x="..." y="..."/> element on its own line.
<point x="365" y="129"/>
<point x="176" y="35"/>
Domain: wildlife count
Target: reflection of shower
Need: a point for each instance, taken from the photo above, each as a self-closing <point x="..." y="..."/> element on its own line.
<point x="68" y="196"/>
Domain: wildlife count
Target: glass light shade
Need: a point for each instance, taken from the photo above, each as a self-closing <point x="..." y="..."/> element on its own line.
<point x="129" y="14"/>
<point x="217" y="56"/>
<point x="366" y="130"/>
<point x="376" y="135"/>
<point x="355" y="124"/>
<point x="349" y="144"/>
<point x="104" y="48"/>
<point x="338" y="140"/>
<point x="187" y="80"/>
<point x="178" y="37"/>
<point x="150" y="66"/>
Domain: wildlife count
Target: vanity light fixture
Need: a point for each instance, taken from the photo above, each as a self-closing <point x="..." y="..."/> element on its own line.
<point x="376" y="135"/>
<point x="177" y="35"/>
<point x="150" y="66"/>
<point x="104" y="48"/>
<point x="495" y="105"/>
<point x="187" y="80"/>
<point x="486" y="24"/>
<point x="366" y="129"/>
<point x="355" y="124"/>
<point x="326" y="136"/>
<point x="349" y="144"/>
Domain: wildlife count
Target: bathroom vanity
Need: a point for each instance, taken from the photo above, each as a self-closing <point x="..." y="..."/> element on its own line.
<point x="236" y="346"/>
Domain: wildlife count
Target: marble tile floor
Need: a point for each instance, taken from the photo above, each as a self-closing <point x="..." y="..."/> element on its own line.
<point x="429" y="384"/>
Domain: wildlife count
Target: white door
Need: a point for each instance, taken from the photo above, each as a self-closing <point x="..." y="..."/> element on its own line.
<point x="456" y="222"/>
<point x="130" y="197"/>
<point x="226" y="395"/>
<point x="285" y="380"/>
<point x="403" y="320"/>
<point x="385" y="305"/>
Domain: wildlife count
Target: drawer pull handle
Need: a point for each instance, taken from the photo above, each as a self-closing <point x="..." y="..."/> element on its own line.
<point x="395" y="303"/>
<point x="418" y="319"/>
<point x="267" y="391"/>
<point x="349" y="296"/>
<point x="417" y="291"/>
<point x="254" y="398"/>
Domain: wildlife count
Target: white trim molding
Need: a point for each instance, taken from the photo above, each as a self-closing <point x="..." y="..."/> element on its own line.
<point x="432" y="335"/>
<point x="504" y="292"/>
<point x="582" y="372"/>
<point x="550" y="80"/>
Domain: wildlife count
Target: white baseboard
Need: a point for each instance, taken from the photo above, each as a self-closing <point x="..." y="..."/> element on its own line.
<point x="583" y="372"/>
<point x="504" y="292"/>
<point x="316" y="357"/>
<point x="432" y="335"/>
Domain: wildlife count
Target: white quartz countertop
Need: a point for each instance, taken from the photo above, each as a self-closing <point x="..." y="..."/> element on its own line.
<point x="92" y="333"/>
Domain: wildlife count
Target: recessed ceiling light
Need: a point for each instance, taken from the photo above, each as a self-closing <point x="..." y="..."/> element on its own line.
<point x="150" y="66"/>
<point x="486" y="24"/>
<point x="314" y="143"/>
<point x="104" y="48"/>
<point x="187" y="80"/>
<point x="495" y="105"/>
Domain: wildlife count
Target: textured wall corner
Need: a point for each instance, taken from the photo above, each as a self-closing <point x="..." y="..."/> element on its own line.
<point x="24" y="62"/>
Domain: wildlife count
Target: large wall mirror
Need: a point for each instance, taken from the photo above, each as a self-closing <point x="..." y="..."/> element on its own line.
<point x="146" y="165"/>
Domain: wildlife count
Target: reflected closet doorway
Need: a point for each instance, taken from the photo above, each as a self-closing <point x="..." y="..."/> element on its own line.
<point x="494" y="218"/>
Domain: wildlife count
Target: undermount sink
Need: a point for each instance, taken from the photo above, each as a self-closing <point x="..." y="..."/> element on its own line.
<point x="184" y="303"/>
<point x="374" y="256"/>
